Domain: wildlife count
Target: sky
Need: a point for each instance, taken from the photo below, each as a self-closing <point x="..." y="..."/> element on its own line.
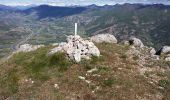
<point x="78" y="2"/>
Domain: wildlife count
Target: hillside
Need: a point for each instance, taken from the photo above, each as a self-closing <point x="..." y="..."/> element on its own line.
<point x="45" y="11"/>
<point x="116" y="74"/>
<point x="147" y="22"/>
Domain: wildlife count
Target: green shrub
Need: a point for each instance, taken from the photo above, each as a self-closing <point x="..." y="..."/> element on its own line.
<point x="104" y="69"/>
<point x="95" y="59"/>
<point x="164" y="83"/>
<point x="109" y="82"/>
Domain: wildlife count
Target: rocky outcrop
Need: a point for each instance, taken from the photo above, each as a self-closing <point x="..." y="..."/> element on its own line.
<point x="77" y="48"/>
<point x="165" y="52"/>
<point x="135" y="42"/>
<point x="100" y="38"/>
<point x="28" y="47"/>
<point x="166" y="49"/>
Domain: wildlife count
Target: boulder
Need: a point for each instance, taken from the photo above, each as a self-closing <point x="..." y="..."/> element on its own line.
<point x="166" y="49"/>
<point x="167" y="59"/>
<point x="100" y="38"/>
<point x="77" y="48"/>
<point x="163" y="50"/>
<point x="152" y="51"/>
<point x="126" y="42"/>
<point x="136" y="42"/>
<point x="28" y="47"/>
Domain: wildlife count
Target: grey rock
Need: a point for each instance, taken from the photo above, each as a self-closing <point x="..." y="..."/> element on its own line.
<point x="28" y="47"/>
<point x="136" y="42"/>
<point x="108" y="38"/>
<point x="166" y="49"/>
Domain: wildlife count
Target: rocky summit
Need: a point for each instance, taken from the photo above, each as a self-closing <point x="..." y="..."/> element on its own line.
<point x="77" y="48"/>
<point x="113" y="71"/>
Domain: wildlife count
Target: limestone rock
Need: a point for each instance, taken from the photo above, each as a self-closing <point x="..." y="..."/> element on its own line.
<point x="55" y="44"/>
<point x="108" y="38"/>
<point x="28" y="47"/>
<point x="166" y="49"/>
<point x="77" y="48"/>
<point x="163" y="50"/>
<point x="152" y="51"/>
<point x="136" y="42"/>
<point x="167" y="59"/>
<point x="126" y="42"/>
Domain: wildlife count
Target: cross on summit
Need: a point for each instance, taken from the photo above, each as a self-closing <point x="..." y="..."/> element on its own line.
<point x="75" y="34"/>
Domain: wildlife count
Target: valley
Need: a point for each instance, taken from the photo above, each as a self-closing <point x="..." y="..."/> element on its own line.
<point x="37" y="25"/>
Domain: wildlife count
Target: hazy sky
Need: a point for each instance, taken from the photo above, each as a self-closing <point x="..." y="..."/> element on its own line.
<point x="79" y="2"/>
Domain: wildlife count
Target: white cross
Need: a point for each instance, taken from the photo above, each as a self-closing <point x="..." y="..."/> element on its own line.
<point x="75" y="29"/>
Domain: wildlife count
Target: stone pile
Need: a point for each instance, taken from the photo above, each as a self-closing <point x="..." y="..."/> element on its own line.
<point x="76" y="48"/>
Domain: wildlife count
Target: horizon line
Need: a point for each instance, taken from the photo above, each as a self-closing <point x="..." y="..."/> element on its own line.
<point x="81" y="5"/>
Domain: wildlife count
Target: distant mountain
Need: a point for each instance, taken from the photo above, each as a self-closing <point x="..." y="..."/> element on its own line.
<point x="5" y="8"/>
<point x="151" y="23"/>
<point x="50" y="24"/>
<point x="45" y="11"/>
<point x="25" y="7"/>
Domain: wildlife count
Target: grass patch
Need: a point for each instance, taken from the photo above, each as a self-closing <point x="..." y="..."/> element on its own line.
<point x="109" y="82"/>
<point x="38" y="63"/>
<point x="164" y="83"/>
<point x="90" y="64"/>
<point x="60" y="60"/>
<point x="104" y="69"/>
<point x="9" y="82"/>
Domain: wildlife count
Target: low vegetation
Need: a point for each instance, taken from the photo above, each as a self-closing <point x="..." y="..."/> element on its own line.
<point x="36" y="75"/>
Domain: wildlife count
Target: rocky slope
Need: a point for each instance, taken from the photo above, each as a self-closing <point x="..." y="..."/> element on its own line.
<point x="121" y="72"/>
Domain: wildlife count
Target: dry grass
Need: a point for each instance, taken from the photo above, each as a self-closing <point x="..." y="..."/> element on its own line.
<point x="117" y="77"/>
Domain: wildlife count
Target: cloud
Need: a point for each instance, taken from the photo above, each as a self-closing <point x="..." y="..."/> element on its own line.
<point x="79" y="2"/>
